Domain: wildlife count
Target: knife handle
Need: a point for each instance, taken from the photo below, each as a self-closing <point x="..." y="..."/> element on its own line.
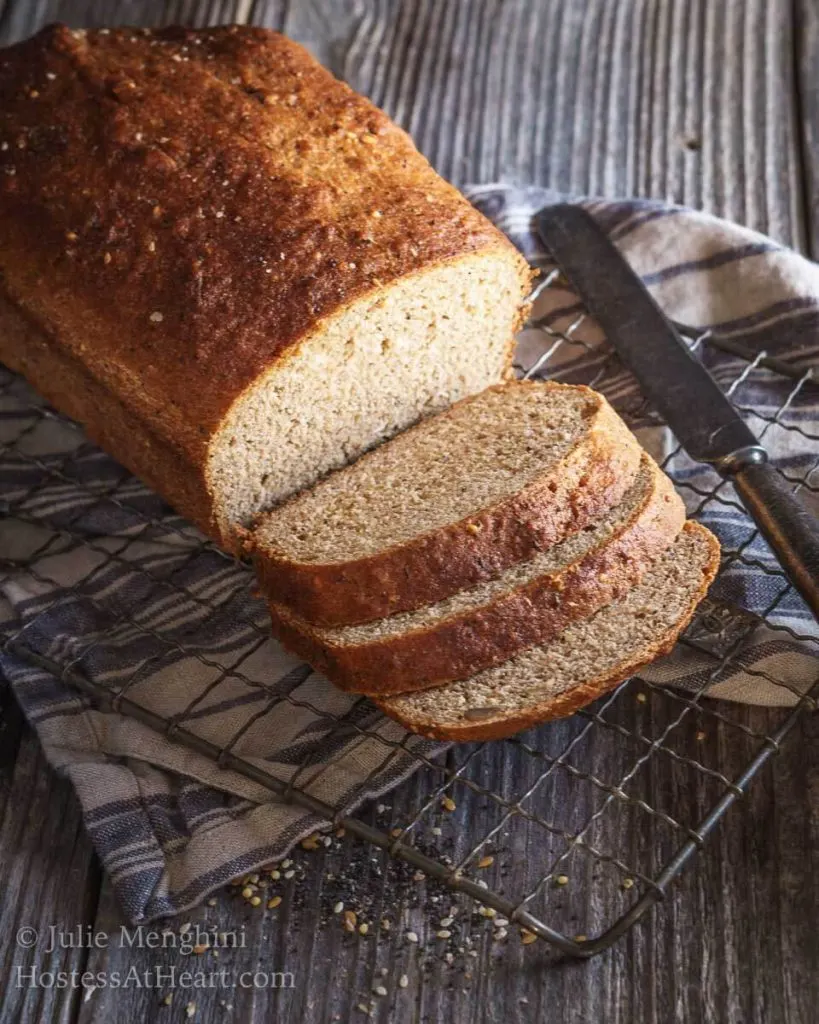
<point x="790" y="529"/>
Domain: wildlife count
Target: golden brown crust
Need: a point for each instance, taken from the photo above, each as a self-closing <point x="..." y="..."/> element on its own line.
<point x="566" y="703"/>
<point x="158" y="188"/>
<point x="430" y="567"/>
<point x="471" y="641"/>
<point x="68" y="386"/>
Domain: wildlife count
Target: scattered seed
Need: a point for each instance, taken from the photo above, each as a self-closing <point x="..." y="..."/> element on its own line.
<point x="580" y="938"/>
<point x="253" y="879"/>
<point x="385" y="924"/>
<point x="156" y="317"/>
<point x="403" y="981"/>
<point x="562" y="880"/>
<point x="168" y="999"/>
<point x="412" y="937"/>
<point x="700" y="736"/>
<point x="445" y="922"/>
<point x="380" y="990"/>
<point x="501" y="934"/>
<point x="247" y="892"/>
<point x="448" y="803"/>
<point x="641" y="697"/>
<point x="200" y="948"/>
<point x="444" y="933"/>
<point x="338" y="907"/>
<point x="419" y="876"/>
<point x="273" y="902"/>
<point x="289" y="874"/>
<point x="106" y="259"/>
<point x="527" y="937"/>
<point x="255" y="901"/>
<point x="212" y="902"/>
<point x="487" y="911"/>
<point x="286" y="863"/>
<point x="486" y="862"/>
<point x="350" y="916"/>
<point x="437" y="831"/>
<point x="396" y="832"/>
<point x="340" y="833"/>
<point x="363" y="928"/>
<point x="628" y="883"/>
<point x="190" y="1009"/>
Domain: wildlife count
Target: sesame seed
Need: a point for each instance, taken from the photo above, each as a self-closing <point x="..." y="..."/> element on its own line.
<point x="486" y="862"/>
<point x="273" y="902"/>
<point x="403" y="981"/>
<point x="156" y="317"/>
<point x="412" y="937"/>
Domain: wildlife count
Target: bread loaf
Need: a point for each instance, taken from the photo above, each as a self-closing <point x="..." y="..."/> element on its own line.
<point x="237" y="273"/>
<point x="447" y="504"/>
<point x="488" y="624"/>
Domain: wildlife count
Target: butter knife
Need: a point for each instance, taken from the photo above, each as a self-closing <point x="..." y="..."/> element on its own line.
<point x="681" y="388"/>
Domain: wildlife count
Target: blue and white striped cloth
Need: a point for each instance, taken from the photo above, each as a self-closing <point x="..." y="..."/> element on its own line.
<point x="156" y="604"/>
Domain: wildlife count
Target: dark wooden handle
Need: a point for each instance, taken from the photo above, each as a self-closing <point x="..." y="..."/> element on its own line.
<point x="790" y="529"/>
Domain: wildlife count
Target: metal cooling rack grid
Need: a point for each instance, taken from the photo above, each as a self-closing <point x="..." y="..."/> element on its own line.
<point x="603" y="797"/>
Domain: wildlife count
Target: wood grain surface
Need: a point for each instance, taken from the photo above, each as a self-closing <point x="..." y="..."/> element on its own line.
<point x="708" y="102"/>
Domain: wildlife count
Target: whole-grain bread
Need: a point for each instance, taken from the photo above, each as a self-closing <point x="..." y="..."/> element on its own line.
<point x="208" y="237"/>
<point x="586" y="659"/>
<point x="529" y="603"/>
<point x="448" y="504"/>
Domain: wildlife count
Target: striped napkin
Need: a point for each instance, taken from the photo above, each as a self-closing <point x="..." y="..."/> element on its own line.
<point x="108" y="581"/>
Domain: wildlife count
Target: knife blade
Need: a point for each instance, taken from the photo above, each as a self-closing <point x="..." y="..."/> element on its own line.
<point x="681" y="388"/>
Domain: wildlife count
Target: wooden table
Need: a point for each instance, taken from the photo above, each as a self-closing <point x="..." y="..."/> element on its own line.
<point x="713" y="103"/>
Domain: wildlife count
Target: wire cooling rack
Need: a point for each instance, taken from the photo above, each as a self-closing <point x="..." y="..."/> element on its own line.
<point x="605" y="807"/>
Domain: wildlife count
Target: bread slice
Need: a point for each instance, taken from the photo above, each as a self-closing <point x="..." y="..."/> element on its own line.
<point x="529" y="603"/>
<point x="448" y="504"/>
<point x="585" y="660"/>
<point x="234" y="271"/>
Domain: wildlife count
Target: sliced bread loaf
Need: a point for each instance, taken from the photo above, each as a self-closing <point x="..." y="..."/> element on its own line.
<point x="234" y="271"/>
<point x="448" y="504"/>
<point x="585" y="660"/>
<point x="529" y="603"/>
